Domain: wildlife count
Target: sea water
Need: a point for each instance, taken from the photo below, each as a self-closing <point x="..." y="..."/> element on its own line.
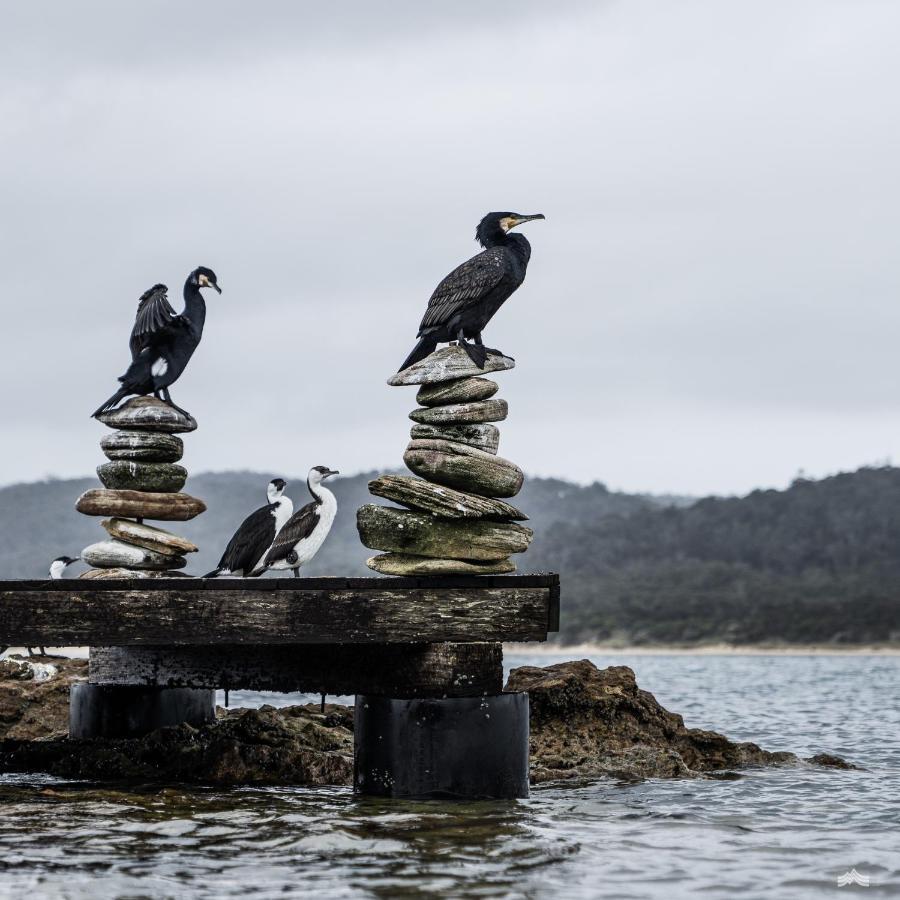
<point x="789" y="832"/>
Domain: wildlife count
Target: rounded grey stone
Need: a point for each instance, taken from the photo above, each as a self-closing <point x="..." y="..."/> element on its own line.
<point x="494" y="410"/>
<point x="463" y="390"/>
<point x="485" y="437"/>
<point x="143" y="446"/>
<point x="148" y="414"/>
<point x="161" y="478"/>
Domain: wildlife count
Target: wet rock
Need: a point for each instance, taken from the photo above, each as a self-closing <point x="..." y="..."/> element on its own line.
<point x="588" y="722"/>
<point x="148" y="414"/>
<point x="120" y="572"/>
<point x="448" y="364"/>
<point x="139" y="505"/>
<point x="464" y="467"/>
<point x="830" y="761"/>
<point x="421" y="534"/>
<point x="484" y="437"/>
<point x="145" y="446"/>
<point x="462" y="413"/>
<point x="34" y="695"/>
<point x="463" y="390"/>
<point x="405" y="564"/>
<point x="148" y="536"/>
<point x="156" y="477"/>
<point x="113" y="553"/>
<point x="292" y="746"/>
<point x="441" y="500"/>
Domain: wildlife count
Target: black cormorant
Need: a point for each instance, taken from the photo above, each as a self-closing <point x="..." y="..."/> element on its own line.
<point x="162" y="342"/>
<point x="245" y="550"/>
<point x="299" y="541"/>
<point x="464" y="302"/>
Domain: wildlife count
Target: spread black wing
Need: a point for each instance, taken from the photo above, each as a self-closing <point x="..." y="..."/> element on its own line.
<point x="154" y="315"/>
<point x="299" y="526"/>
<point x="250" y="541"/>
<point x="465" y="286"/>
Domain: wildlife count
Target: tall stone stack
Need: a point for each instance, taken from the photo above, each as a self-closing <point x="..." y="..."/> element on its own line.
<point x="141" y="480"/>
<point x="456" y="520"/>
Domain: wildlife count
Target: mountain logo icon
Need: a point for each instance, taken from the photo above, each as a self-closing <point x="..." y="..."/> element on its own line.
<point x="852" y="877"/>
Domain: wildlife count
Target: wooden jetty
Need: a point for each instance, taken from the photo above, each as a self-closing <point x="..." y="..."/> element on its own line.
<point x="411" y="650"/>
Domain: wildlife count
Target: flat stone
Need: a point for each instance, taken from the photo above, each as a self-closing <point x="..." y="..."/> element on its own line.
<point x="484" y="437"/>
<point x="139" y="505"/>
<point x="463" y="390"/>
<point x="113" y="553"/>
<point x="156" y="477"/>
<point x="121" y="572"/>
<point x="448" y="364"/>
<point x="462" y="413"/>
<point x="404" y="564"/>
<point x="148" y="414"/>
<point x="464" y="467"/>
<point x="144" y="446"/>
<point x="148" y="536"/>
<point x="440" y="500"/>
<point x="421" y="534"/>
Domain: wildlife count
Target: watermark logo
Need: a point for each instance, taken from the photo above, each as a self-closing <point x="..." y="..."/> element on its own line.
<point x="852" y="877"/>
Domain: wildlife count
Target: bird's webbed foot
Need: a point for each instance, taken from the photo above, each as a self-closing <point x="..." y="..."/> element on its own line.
<point x="167" y="398"/>
<point x="476" y="352"/>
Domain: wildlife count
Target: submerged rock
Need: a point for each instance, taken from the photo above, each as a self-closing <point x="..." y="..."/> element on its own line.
<point x="448" y="364"/>
<point x="588" y="722"/>
<point x="463" y="390"/>
<point x="406" y="564"/>
<point x="155" y="477"/>
<point x="114" y="553"/>
<point x="477" y="413"/>
<point x="464" y="467"/>
<point x="146" y="446"/>
<point x="485" y="437"/>
<point x="148" y="536"/>
<point x="148" y="414"/>
<point x="421" y="534"/>
<point x="440" y="500"/>
<point x="139" y="505"/>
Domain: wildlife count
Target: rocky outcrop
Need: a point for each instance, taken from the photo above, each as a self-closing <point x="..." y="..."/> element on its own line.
<point x="588" y="723"/>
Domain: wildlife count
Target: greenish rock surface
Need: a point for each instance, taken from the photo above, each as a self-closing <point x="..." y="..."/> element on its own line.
<point x="484" y="437"/>
<point x="441" y="500"/>
<point x="405" y="564"/>
<point x="463" y="390"/>
<point x="148" y="414"/>
<point x="115" y="554"/>
<point x="421" y="534"/>
<point x="448" y="364"/>
<point x="494" y="410"/>
<point x="156" y="477"/>
<point x="144" y="446"/>
<point x="464" y="467"/>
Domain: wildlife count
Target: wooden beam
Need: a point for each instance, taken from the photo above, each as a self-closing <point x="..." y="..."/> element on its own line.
<point x="411" y="670"/>
<point x="277" y="611"/>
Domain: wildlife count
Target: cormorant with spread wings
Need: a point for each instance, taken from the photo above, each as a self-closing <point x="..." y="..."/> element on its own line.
<point x="466" y="300"/>
<point x="162" y="341"/>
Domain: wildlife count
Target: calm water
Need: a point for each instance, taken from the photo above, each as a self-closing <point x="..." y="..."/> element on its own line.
<point x="781" y="833"/>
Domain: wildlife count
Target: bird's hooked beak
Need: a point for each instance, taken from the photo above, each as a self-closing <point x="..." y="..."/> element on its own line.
<point x="218" y="290"/>
<point x="331" y="472"/>
<point x="518" y="220"/>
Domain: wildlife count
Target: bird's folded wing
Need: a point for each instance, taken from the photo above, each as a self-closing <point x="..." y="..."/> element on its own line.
<point x="154" y="315"/>
<point x="465" y="285"/>
<point x="299" y="526"/>
<point x="250" y="541"/>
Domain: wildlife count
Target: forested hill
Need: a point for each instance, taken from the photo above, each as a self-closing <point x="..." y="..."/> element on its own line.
<point x="818" y="562"/>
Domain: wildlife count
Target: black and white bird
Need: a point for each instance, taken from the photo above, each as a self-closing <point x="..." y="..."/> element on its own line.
<point x="163" y="341"/>
<point x="466" y="300"/>
<point x="57" y="569"/>
<point x="245" y="551"/>
<point x="299" y="541"/>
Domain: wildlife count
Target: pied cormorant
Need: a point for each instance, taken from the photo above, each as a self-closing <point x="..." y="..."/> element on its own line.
<point x="57" y="569"/>
<point x="162" y="342"/>
<point x="466" y="300"/>
<point x="299" y="541"/>
<point x="246" y="549"/>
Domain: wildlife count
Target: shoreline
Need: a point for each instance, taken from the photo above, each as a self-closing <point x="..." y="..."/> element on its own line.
<point x="600" y="649"/>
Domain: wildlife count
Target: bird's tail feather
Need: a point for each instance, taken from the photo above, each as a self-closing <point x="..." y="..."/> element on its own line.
<point x="109" y="404"/>
<point x="213" y="574"/>
<point x="426" y="345"/>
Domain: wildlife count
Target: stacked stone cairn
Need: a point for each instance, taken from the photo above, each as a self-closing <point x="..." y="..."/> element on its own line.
<point x="455" y="520"/>
<point x="141" y="480"/>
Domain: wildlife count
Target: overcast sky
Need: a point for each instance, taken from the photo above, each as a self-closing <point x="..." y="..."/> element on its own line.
<point x="712" y="301"/>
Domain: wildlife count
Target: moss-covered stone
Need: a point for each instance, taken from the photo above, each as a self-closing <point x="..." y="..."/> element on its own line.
<point x="156" y="477"/>
<point x="464" y="467"/>
<point x="144" y="446"/>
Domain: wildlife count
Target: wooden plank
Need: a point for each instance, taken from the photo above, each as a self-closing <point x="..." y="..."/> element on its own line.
<point x="177" y="613"/>
<point x="410" y="670"/>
